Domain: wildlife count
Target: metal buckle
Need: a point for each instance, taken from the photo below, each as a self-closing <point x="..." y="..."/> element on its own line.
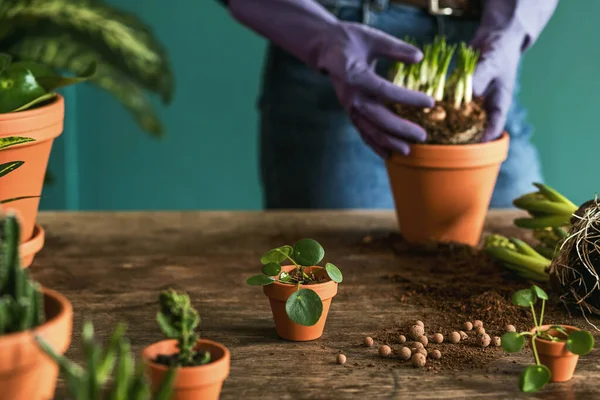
<point x="434" y="8"/>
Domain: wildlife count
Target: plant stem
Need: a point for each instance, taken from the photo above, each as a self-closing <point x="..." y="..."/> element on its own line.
<point x="542" y="313"/>
<point x="289" y="258"/>
<point x="534" y="317"/>
<point x="535" y="353"/>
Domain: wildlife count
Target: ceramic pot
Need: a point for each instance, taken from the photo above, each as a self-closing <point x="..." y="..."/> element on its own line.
<point x="278" y="294"/>
<point x="26" y="372"/>
<point x="442" y="192"/>
<point x="556" y="356"/>
<point x="31" y="247"/>
<point x="191" y="383"/>
<point x="23" y="166"/>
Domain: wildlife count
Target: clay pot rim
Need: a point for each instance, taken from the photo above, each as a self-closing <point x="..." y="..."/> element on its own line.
<point x="457" y="147"/>
<point x="287" y="268"/>
<point x="213" y="364"/>
<point x="66" y="309"/>
<point x="48" y="108"/>
<point x="35" y="244"/>
<point x="549" y="342"/>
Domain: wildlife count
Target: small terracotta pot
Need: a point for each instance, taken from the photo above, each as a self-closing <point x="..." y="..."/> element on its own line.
<point x="278" y="294"/>
<point x="442" y="192"/>
<point x="30" y="248"/>
<point x="26" y="373"/>
<point x="43" y="125"/>
<point x="555" y="355"/>
<point x="191" y="383"/>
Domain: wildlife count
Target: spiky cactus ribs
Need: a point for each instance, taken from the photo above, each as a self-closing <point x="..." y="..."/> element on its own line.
<point x="178" y="320"/>
<point x="457" y="117"/>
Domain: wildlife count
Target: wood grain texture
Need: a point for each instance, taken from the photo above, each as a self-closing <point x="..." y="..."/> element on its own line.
<point x="112" y="266"/>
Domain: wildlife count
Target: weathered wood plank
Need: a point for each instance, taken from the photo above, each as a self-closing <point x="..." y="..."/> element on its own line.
<point x="112" y="266"/>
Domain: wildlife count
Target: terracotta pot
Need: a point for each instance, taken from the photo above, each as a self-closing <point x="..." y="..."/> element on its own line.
<point x="30" y="248"/>
<point x="278" y="294"/>
<point x="555" y="355"/>
<point x="442" y="192"/>
<point x="191" y="383"/>
<point x="43" y="125"/>
<point x="26" y="373"/>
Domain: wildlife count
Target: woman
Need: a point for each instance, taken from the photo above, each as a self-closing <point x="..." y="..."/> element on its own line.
<point x="324" y="127"/>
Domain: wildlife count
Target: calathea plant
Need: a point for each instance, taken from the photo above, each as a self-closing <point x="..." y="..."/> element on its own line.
<point x="69" y="34"/>
<point x="114" y="365"/>
<point x="21" y="299"/>
<point x="177" y="319"/>
<point x="304" y="307"/>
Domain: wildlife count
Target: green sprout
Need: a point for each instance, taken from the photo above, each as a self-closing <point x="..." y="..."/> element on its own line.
<point x="304" y="307"/>
<point x="177" y="319"/>
<point x="21" y="299"/>
<point x="128" y="379"/>
<point x="547" y="208"/>
<point x="535" y="377"/>
<point x="518" y="256"/>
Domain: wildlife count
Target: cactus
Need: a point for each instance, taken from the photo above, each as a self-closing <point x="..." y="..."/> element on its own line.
<point x="128" y="379"/>
<point x="21" y="299"/>
<point x="177" y="319"/>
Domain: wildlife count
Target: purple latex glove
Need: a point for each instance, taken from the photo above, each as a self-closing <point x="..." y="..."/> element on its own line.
<point x="347" y="53"/>
<point x="507" y="29"/>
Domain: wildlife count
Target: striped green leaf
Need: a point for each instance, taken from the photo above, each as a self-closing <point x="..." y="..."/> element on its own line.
<point x="43" y="99"/>
<point x="10" y="166"/>
<point x="13" y="141"/>
<point x="64" y="51"/>
<point x="50" y="80"/>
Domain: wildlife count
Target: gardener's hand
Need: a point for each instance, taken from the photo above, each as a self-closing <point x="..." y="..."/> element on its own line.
<point x="347" y="53"/>
<point x="508" y="28"/>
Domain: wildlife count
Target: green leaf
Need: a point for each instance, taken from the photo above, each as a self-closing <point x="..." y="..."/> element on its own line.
<point x="5" y="60"/>
<point x="13" y="141"/>
<point x="334" y="273"/>
<point x="580" y="342"/>
<point x="512" y="342"/>
<point x="38" y="101"/>
<point x="539" y="292"/>
<point x="277" y="255"/>
<point x="66" y="51"/>
<point x="51" y="81"/>
<point x="534" y="378"/>
<point x="166" y="386"/>
<point x="10" y="166"/>
<point x="524" y="298"/>
<point x="285" y="277"/>
<point x="271" y="269"/>
<point x="164" y="323"/>
<point x="260" y="280"/>
<point x="18" y="87"/>
<point x="308" y="252"/>
<point x="304" y="307"/>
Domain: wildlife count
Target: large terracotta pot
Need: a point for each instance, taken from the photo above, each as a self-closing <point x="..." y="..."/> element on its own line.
<point x="26" y="372"/>
<point x="25" y="164"/>
<point x="442" y="192"/>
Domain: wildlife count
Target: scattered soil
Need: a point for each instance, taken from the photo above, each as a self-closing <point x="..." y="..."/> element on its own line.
<point x="459" y="126"/>
<point x="454" y="283"/>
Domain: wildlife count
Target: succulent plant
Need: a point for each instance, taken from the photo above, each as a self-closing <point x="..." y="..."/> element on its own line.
<point x="21" y="299"/>
<point x="177" y="319"/>
<point x="128" y="379"/>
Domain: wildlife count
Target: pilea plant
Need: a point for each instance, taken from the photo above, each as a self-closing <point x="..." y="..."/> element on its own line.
<point x="21" y="299"/>
<point x="304" y="307"/>
<point x="534" y="377"/>
<point x="90" y="383"/>
<point x="177" y="319"/>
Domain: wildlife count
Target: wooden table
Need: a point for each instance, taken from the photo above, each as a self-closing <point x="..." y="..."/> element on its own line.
<point x="112" y="266"/>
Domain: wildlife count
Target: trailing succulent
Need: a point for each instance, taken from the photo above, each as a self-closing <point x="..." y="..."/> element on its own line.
<point x="177" y="319"/>
<point x="304" y="306"/>
<point x="71" y="34"/>
<point x="115" y="365"/>
<point x="21" y="299"/>
<point x="535" y="377"/>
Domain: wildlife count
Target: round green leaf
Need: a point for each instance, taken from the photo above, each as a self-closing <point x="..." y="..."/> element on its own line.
<point x="334" y="272"/>
<point x="534" y="378"/>
<point x="285" y="277"/>
<point x="304" y="307"/>
<point x="539" y="292"/>
<point x="308" y="252"/>
<point x="271" y="269"/>
<point x="580" y="342"/>
<point x="524" y="298"/>
<point x="512" y="342"/>
<point x="260" y="280"/>
<point x="277" y="255"/>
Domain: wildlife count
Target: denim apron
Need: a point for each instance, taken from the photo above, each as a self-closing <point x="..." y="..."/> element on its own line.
<point x="311" y="156"/>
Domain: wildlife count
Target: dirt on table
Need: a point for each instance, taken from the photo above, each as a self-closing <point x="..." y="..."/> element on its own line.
<point x="453" y="284"/>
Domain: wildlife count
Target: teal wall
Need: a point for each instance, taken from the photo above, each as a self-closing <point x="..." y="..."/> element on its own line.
<point x="208" y="158"/>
